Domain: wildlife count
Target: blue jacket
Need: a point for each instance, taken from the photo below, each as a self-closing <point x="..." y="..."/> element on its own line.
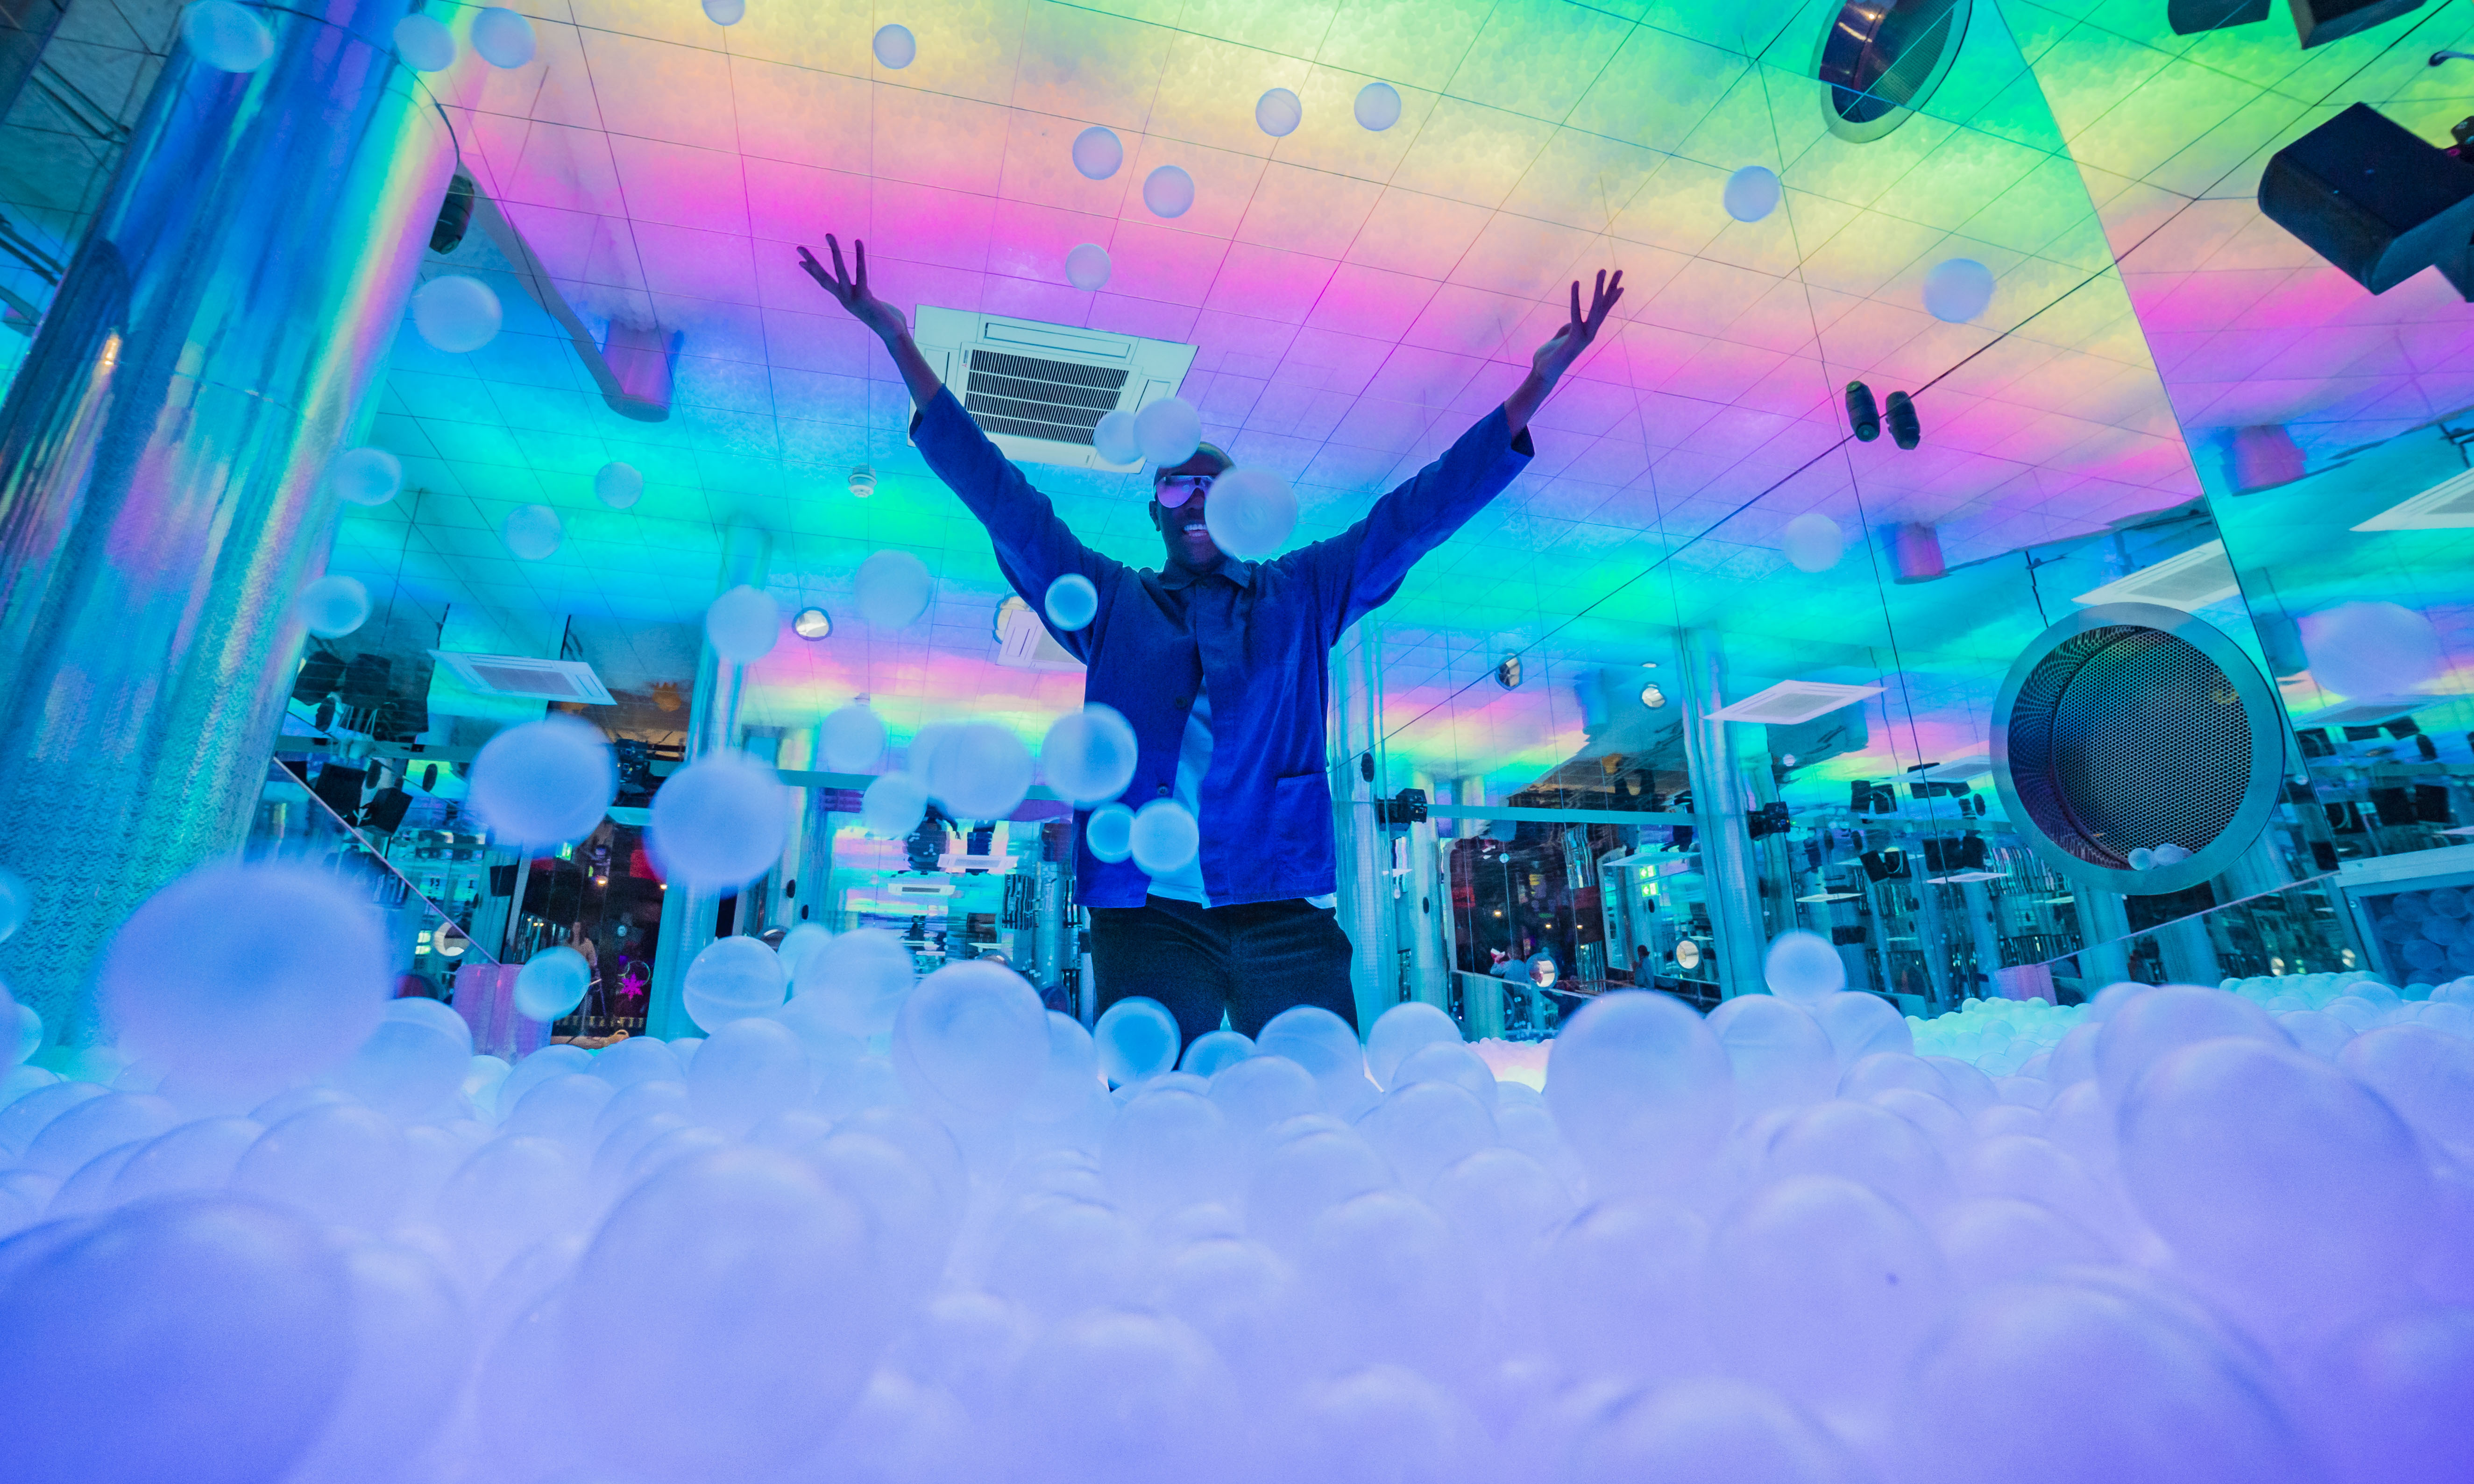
<point x="1258" y="633"/>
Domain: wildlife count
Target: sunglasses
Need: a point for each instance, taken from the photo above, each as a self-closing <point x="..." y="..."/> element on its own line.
<point x="1174" y="489"/>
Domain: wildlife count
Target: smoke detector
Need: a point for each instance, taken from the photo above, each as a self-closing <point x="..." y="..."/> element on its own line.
<point x="862" y="481"/>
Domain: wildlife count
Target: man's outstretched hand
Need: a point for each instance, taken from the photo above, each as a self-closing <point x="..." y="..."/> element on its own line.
<point x="1557" y="355"/>
<point x="850" y="292"/>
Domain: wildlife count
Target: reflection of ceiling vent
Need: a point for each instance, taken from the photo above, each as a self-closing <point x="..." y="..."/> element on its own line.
<point x="1882" y="58"/>
<point x="2446" y="506"/>
<point x="1024" y="642"/>
<point x="1037" y="389"/>
<point x="2189" y="581"/>
<point x="1789" y="702"/>
<point x="534" y="680"/>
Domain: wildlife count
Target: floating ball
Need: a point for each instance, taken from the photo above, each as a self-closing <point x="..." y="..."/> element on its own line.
<point x="979" y="772"/>
<point x="1815" y="542"/>
<point x="532" y="532"/>
<point x="1804" y="968"/>
<point x="851" y="738"/>
<point x="1752" y="193"/>
<point x="1958" y="289"/>
<point x="1088" y="755"/>
<point x="246" y="977"/>
<point x="1377" y="107"/>
<point x="1163" y="836"/>
<point x="719" y="823"/>
<point x="618" y="485"/>
<point x="1168" y="431"/>
<point x="732" y="979"/>
<point x="2371" y="649"/>
<point x="1114" y="439"/>
<point x="424" y="43"/>
<point x="1098" y="153"/>
<point x="894" y="589"/>
<point x="551" y="983"/>
<point x="333" y="606"/>
<point x="895" y="46"/>
<point x="976" y="1035"/>
<point x="1109" y="832"/>
<point x="1168" y="191"/>
<point x="857" y="981"/>
<point x="1086" y="267"/>
<point x="726" y="13"/>
<point x="503" y="37"/>
<point x="545" y="783"/>
<point x="364" y="476"/>
<point x="227" y="37"/>
<point x="1073" y="602"/>
<point x="1137" y="1038"/>
<point x="1252" y="513"/>
<point x="455" y="313"/>
<point x="1279" y="113"/>
<point x="744" y="624"/>
<point x="893" y="805"/>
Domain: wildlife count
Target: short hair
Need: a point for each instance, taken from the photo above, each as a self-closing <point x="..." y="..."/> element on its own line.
<point x="1213" y="451"/>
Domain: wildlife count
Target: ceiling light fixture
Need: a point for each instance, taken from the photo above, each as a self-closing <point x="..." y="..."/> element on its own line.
<point x="812" y="623"/>
<point x="862" y="481"/>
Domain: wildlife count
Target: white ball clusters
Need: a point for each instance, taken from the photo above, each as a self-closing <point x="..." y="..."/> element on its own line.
<point x="896" y="1232"/>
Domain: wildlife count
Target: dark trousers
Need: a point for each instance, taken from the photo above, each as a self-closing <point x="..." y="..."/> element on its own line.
<point x="1252" y="961"/>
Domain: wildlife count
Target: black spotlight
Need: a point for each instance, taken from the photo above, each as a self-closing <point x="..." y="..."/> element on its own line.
<point x="1861" y="413"/>
<point x="429" y="778"/>
<point x="1903" y="428"/>
<point x="455" y="215"/>
<point x="2374" y="199"/>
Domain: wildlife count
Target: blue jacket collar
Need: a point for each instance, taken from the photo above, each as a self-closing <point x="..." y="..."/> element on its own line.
<point x="1242" y="573"/>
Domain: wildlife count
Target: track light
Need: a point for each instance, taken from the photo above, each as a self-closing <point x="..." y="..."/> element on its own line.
<point x="1903" y="428"/>
<point x="1861" y="413"/>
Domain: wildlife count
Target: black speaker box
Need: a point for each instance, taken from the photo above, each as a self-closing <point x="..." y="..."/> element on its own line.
<point x="386" y="809"/>
<point x="2191" y="18"/>
<point x="340" y="788"/>
<point x="2318" y="22"/>
<point x="2374" y="199"/>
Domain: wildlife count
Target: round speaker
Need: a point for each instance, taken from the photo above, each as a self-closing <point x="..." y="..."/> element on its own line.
<point x="2129" y="727"/>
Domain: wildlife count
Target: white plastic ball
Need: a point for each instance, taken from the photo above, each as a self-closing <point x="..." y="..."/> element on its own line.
<point x="1114" y="439"/>
<point x="1804" y="968"/>
<point x="1073" y="602"/>
<point x="719" y="823"/>
<point x="545" y="783"/>
<point x="1137" y="1038"/>
<point x="1377" y="107"/>
<point x="21" y="1033"/>
<point x="15" y="899"/>
<point x="424" y="43"/>
<point x="1279" y="113"/>
<point x="895" y="46"/>
<point x="732" y="979"/>
<point x="1958" y="289"/>
<point x="1252" y="513"/>
<point x="894" y="587"/>
<point x="2170" y="854"/>
<point x="2371" y="649"/>
<point x="893" y="805"/>
<point x="503" y="37"/>
<point x="618" y="485"/>
<point x="365" y="476"/>
<point x="744" y="624"/>
<point x="1639" y="1087"/>
<point x="1752" y="193"/>
<point x="1168" y="191"/>
<point x="2142" y="858"/>
<point x="227" y="37"/>
<point x="802" y="939"/>
<point x="455" y="313"/>
<point x="1215" y="1052"/>
<point x="1164" y="836"/>
<point x="979" y="772"/>
<point x="976" y="1035"/>
<point x="1168" y="431"/>
<point x="412" y="1063"/>
<point x="857" y="980"/>
<point x="247" y="977"/>
<point x="532" y="532"/>
<point x="1815" y="542"/>
<point x="726" y="13"/>
<point x="1088" y="267"/>
<point x="1400" y="1033"/>
<point x="551" y="983"/>
<point x="851" y="738"/>
<point x="333" y="606"/>
<point x="1109" y="832"/>
<point x="1089" y="754"/>
<point x="1098" y="153"/>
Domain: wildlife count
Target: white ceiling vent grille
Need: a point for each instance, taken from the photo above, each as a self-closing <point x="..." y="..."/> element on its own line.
<point x="2446" y="506"/>
<point x="1037" y="389"/>
<point x="1024" y="642"/>
<point x="2189" y="581"/>
<point x="534" y="680"/>
<point x="1789" y="702"/>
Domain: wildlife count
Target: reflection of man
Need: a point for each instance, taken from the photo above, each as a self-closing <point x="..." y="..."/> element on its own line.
<point x="1221" y="666"/>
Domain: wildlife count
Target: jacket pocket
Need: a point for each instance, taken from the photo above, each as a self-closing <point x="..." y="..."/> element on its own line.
<point x="1301" y="833"/>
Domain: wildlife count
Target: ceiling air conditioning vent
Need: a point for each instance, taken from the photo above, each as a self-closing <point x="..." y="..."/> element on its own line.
<point x="1789" y="702"/>
<point x="1024" y="642"/>
<point x="1037" y="389"/>
<point x="533" y="680"/>
<point x="2446" y="506"/>
<point x="2189" y="581"/>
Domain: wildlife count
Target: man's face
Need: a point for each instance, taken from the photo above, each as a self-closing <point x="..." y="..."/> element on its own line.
<point x="1178" y="497"/>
